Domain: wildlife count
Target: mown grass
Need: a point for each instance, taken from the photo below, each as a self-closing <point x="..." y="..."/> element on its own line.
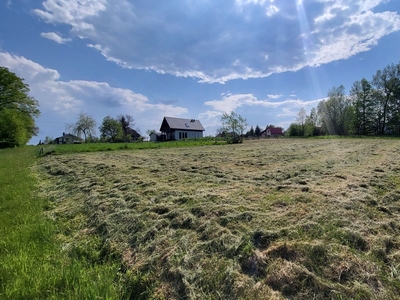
<point x="267" y="219"/>
<point x="33" y="264"/>
<point x="95" y="147"/>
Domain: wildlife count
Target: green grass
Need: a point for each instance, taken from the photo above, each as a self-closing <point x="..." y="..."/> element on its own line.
<point x="266" y="219"/>
<point x="94" y="147"/>
<point x="32" y="262"/>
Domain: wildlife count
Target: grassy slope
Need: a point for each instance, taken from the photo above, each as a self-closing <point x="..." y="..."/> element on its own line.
<point x="32" y="264"/>
<point x="304" y="219"/>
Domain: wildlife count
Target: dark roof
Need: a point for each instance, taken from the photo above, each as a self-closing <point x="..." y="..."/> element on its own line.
<point x="156" y="133"/>
<point x="132" y="132"/>
<point x="68" y="135"/>
<point x="275" y="130"/>
<point x="184" y="124"/>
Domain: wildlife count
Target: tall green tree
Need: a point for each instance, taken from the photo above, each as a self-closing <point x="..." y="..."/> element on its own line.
<point x="311" y="122"/>
<point x="251" y="132"/>
<point x="127" y="122"/>
<point x="85" y="125"/>
<point x="111" y="129"/>
<point x="233" y="125"/>
<point x="336" y="112"/>
<point x="18" y="110"/>
<point x="257" y="131"/>
<point x="362" y="96"/>
<point x="387" y="85"/>
<point x="301" y="119"/>
<point x="294" y="130"/>
<point x="396" y="95"/>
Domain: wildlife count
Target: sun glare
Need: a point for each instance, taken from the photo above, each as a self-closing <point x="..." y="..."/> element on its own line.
<point x="307" y="45"/>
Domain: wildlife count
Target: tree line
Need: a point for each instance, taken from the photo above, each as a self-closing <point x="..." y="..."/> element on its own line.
<point x="112" y="130"/>
<point x="371" y="108"/>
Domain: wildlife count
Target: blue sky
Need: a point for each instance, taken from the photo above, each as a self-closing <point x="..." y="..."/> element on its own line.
<point x="265" y="59"/>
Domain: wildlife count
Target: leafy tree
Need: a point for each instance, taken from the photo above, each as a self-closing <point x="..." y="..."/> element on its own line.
<point x="257" y="131"/>
<point x="387" y="85"/>
<point x="127" y="122"/>
<point x="111" y="129"/>
<point x="252" y="132"/>
<point x="301" y="119"/>
<point x="362" y="95"/>
<point x="17" y="110"/>
<point x="336" y="112"/>
<point x="310" y="125"/>
<point x="306" y="125"/>
<point x="294" y="130"/>
<point x="233" y="125"/>
<point x="12" y="128"/>
<point x="86" y="125"/>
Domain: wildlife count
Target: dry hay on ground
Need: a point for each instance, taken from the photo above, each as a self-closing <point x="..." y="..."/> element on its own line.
<point x="276" y="218"/>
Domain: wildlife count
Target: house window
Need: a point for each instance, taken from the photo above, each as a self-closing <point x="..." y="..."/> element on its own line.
<point x="185" y="135"/>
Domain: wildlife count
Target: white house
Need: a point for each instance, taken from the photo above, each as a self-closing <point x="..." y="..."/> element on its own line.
<point x="177" y="128"/>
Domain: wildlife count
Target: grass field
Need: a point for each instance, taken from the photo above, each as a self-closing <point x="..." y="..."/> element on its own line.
<point x="267" y="219"/>
<point x="98" y="147"/>
<point x="32" y="262"/>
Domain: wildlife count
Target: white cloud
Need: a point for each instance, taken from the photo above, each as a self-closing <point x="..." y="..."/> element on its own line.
<point x="55" y="37"/>
<point x="247" y="104"/>
<point x="76" y="13"/>
<point x="210" y="114"/>
<point x="287" y="112"/>
<point x="231" y="102"/>
<point x="67" y="98"/>
<point x="271" y="10"/>
<point x="274" y="96"/>
<point x="218" y="41"/>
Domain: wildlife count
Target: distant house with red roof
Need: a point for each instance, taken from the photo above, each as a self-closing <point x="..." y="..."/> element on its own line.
<point x="272" y="132"/>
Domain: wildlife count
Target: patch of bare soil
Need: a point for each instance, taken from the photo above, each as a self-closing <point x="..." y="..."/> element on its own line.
<point x="267" y="219"/>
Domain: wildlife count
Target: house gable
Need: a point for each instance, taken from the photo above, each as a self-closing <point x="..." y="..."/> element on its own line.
<point x="170" y="123"/>
<point x="272" y="132"/>
<point x="178" y="128"/>
<point x="67" y="139"/>
<point x="133" y="133"/>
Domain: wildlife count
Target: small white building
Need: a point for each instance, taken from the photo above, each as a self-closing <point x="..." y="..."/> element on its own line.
<point x="155" y="136"/>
